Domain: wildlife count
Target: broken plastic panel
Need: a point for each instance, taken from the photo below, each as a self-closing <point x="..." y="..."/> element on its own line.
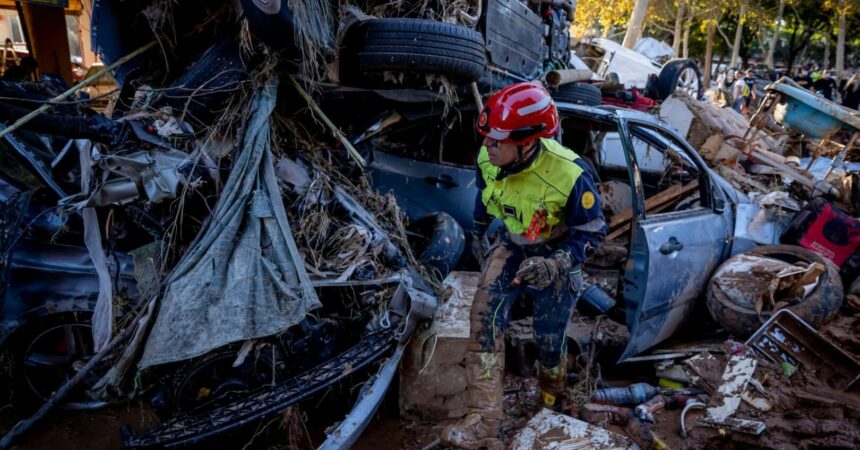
<point x="786" y="338"/>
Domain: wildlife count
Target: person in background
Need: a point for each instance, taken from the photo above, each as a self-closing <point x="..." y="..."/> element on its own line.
<point x="851" y="91"/>
<point x="825" y="86"/>
<point x="748" y="92"/>
<point x="737" y="92"/>
<point x="803" y="79"/>
<point x="816" y="74"/>
<point x="724" y="86"/>
<point x="24" y="71"/>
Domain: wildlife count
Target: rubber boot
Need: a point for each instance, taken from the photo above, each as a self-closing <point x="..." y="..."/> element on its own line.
<point x="480" y="428"/>
<point x="552" y="382"/>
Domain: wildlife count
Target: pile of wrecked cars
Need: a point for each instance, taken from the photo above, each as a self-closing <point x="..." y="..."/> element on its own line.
<point x="223" y="243"/>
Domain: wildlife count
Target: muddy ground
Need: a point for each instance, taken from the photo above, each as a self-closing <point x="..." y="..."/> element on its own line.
<point x="795" y="423"/>
<point x="91" y="430"/>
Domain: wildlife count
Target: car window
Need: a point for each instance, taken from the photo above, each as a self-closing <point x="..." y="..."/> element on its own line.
<point x="461" y="141"/>
<point x="667" y="146"/>
<point x="450" y="140"/>
<point x="16" y="171"/>
<point x="670" y="177"/>
<point x="649" y="158"/>
<point x="417" y="139"/>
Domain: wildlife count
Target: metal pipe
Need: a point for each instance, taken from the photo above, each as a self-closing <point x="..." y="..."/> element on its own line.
<point x="565" y="76"/>
<point x="689" y="406"/>
<point x="20" y="122"/>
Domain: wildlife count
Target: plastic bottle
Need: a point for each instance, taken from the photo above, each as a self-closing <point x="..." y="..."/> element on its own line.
<point x="617" y="415"/>
<point x="630" y="395"/>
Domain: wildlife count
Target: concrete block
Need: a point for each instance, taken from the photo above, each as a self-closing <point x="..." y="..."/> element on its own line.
<point x="432" y="372"/>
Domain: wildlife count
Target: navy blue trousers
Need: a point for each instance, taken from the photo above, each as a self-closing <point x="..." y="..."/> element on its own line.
<point x="491" y="308"/>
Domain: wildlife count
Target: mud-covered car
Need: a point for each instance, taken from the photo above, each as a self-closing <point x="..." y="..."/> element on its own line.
<point x="48" y="285"/>
<point x="672" y="219"/>
<point x="367" y="43"/>
<point x="143" y="164"/>
<point x="635" y="70"/>
<point x="51" y="286"/>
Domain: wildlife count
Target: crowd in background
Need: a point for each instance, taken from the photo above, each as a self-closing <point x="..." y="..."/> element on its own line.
<point x="737" y="88"/>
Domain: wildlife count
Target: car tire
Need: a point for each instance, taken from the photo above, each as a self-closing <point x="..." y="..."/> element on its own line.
<point x="205" y="86"/>
<point x="577" y="93"/>
<point x="272" y="22"/>
<point x="681" y="74"/>
<point x="438" y="241"/>
<point x="219" y="368"/>
<point x="415" y="46"/>
<point x="824" y="300"/>
<point x="40" y="333"/>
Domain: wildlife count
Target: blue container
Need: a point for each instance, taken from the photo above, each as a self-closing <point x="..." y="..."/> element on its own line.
<point x="597" y="300"/>
<point x="810" y="114"/>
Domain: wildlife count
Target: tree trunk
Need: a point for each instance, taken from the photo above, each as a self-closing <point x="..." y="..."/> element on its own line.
<point x="826" y="63"/>
<point x="840" y="44"/>
<point x="679" y="26"/>
<point x="637" y="22"/>
<point x="709" y="54"/>
<point x="792" y="50"/>
<point x="736" y="47"/>
<point x="775" y="38"/>
<point x="685" y="43"/>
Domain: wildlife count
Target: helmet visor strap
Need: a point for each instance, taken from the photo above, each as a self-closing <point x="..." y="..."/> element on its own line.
<point x="521" y="134"/>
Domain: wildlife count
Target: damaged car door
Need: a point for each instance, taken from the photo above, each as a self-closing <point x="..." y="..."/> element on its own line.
<point x="428" y="163"/>
<point x="671" y="250"/>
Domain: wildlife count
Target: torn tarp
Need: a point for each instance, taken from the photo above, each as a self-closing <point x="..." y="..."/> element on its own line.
<point x="102" y="321"/>
<point x="244" y="278"/>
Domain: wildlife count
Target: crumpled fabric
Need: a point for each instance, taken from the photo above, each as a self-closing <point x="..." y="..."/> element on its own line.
<point x="102" y="320"/>
<point x="244" y="278"/>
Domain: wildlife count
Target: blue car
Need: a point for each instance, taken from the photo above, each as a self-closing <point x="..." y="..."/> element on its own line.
<point x="681" y="215"/>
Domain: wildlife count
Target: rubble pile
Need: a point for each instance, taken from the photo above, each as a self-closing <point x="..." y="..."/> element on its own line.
<point x="239" y="213"/>
<point x="269" y="258"/>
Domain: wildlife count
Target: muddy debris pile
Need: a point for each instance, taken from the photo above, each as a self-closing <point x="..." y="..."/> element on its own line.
<point x="785" y="386"/>
<point x="241" y="262"/>
<point x="271" y="211"/>
<point x="795" y="143"/>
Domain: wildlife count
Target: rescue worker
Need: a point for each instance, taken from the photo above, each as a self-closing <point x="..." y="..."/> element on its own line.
<point x="547" y="199"/>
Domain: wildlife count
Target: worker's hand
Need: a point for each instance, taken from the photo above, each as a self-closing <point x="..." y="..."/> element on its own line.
<point x="539" y="272"/>
<point x="480" y="246"/>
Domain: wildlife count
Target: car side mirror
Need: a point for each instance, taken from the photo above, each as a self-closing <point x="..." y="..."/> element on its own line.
<point x="719" y="205"/>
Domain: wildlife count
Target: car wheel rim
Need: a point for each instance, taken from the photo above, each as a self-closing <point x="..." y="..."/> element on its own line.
<point x="55" y="356"/>
<point x="216" y="377"/>
<point x="688" y="82"/>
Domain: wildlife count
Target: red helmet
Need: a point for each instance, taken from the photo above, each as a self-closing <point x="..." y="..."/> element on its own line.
<point x="520" y="114"/>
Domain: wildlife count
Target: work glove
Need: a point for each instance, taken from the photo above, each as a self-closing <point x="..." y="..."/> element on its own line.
<point x="539" y="272"/>
<point x="480" y="246"/>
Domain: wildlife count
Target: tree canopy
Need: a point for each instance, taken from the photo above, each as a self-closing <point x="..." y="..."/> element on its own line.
<point x="807" y="29"/>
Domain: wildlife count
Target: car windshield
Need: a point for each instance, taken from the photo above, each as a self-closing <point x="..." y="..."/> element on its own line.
<point x="24" y="150"/>
<point x="15" y="171"/>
